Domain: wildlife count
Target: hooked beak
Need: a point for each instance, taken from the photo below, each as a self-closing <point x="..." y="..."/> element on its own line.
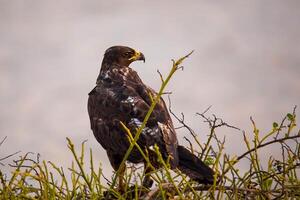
<point x="138" y="56"/>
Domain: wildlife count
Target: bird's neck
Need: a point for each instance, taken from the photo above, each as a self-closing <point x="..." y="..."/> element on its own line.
<point x="114" y="71"/>
<point x="105" y="66"/>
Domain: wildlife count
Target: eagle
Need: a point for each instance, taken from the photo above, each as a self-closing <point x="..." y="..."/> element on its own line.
<point x="121" y="96"/>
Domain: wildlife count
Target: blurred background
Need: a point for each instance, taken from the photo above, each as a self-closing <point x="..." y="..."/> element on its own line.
<point x="246" y="63"/>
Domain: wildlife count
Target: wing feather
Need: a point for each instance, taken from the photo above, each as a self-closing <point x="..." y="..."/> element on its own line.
<point x="128" y="100"/>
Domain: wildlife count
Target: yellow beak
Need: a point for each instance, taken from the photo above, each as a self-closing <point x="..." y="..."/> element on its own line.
<point x="137" y="56"/>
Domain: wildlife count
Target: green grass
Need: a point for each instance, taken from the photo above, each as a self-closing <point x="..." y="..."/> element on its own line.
<point x="31" y="178"/>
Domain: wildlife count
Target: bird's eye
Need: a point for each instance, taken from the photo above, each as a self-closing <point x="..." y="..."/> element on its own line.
<point x="127" y="54"/>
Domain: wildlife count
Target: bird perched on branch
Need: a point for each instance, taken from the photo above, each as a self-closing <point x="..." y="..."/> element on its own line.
<point x="121" y="96"/>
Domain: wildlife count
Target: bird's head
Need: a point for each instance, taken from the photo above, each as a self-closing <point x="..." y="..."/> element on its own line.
<point x="122" y="55"/>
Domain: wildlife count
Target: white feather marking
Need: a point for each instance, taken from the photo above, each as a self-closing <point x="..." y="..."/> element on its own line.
<point x="151" y="147"/>
<point x="106" y="75"/>
<point x="130" y="99"/>
<point x="162" y="126"/>
<point x="136" y="121"/>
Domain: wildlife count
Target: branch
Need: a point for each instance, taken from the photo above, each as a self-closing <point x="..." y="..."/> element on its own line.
<point x="268" y="143"/>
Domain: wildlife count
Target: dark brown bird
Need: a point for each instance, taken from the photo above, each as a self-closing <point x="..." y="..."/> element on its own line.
<point x="121" y="96"/>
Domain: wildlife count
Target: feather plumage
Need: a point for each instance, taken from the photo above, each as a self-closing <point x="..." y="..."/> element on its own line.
<point x="121" y="96"/>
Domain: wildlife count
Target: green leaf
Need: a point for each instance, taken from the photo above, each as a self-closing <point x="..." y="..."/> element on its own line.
<point x="290" y="117"/>
<point x="275" y="125"/>
<point x="209" y="160"/>
<point x="267" y="184"/>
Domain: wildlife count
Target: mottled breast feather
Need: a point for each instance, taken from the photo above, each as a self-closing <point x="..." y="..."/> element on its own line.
<point x="120" y="95"/>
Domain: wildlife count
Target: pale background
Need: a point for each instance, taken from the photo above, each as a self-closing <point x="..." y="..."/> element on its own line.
<point x="246" y="63"/>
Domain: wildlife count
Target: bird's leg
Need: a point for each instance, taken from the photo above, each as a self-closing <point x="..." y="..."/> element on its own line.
<point x="147" y="182"/>
<point x="121" y="178"/>
<point x="115" y="161"/>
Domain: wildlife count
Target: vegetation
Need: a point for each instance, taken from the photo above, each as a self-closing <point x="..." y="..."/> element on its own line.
<point x="35" y="179"/>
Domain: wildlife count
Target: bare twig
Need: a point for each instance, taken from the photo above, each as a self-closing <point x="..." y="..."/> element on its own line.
<point x="268" y="143"/>
<point x="3" y="140"/>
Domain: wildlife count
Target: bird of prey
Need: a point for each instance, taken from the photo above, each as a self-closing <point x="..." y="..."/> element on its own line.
<point x="121" y="96"/>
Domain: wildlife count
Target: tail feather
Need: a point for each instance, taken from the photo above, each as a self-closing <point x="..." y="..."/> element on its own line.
<point x="192" y="166"/>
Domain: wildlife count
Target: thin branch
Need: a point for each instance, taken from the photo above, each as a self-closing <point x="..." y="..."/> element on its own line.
<point x="268" y="143"/>
<point x="10" y="155"/>
<point x="3" y="140"/>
